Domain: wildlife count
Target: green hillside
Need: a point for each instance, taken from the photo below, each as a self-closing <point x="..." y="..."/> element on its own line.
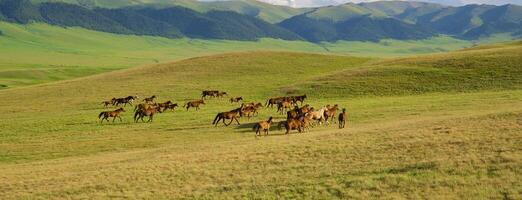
<point x="267" y="12"/>
<point x="413" y="136"/>
<point x="63" y="53"/>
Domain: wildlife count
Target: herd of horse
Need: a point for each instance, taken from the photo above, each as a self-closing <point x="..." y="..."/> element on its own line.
<point x="298" y="116"/>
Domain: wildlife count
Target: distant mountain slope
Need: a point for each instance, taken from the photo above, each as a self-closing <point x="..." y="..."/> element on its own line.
<point x="268" y="12"/>
<point x="171" y="22"/>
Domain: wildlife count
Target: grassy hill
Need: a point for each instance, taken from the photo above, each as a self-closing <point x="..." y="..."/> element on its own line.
<point x="58" y="53"/>
<point x="267" y="12"/>
<point x="413" y="136"/>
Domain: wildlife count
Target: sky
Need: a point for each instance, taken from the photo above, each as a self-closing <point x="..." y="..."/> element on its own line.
<point x="316" y="3"/>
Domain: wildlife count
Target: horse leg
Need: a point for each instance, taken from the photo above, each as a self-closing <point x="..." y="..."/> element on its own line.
<point x="150" y="118"/>
<point x="113" y="118"/>
<point x="120" y="118"/>
<point x="236" y="121"/>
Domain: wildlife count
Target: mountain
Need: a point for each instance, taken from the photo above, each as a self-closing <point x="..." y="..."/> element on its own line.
<point x="243" y="20"/>
<point x="268" y="12"/>
<point x="170" y="22"/>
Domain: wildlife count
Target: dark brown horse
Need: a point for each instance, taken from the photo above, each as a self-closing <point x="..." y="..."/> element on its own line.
<point x="299" y="99"/>
<point x="124" y="101"/>
<point x="150" y="99"/>
<point x="342" y="118"/>
<point x="209" y="93"/>
<point x="236" y="99"/>
<point x="274" y="101"/>
<point x="139" y="114"/>
<point x="194" y="104"/>
<point x="291" y="124"/>
<point x="113" y="114"/>
<point x="232" y="115"/>
<point x="294" y="114"/>
<point x="264" y="125"/>
<point x="170" y="107"/>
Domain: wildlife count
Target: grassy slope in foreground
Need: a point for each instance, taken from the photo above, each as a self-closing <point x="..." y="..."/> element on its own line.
<point x="462" y="144"/>
<point x="39" y="53"/>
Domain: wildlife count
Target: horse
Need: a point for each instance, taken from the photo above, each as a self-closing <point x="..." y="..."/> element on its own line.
<point x="236" y="99"/>
<point x="142" y="106"/>
<point x="232" y="115"/>
<point x="342" y="118"/>
<point x="164" y="105"/>
<point x="330" y="113"/>
<point x="283" y="106"/>
<point x="291" y="124"/>
<point x="113" y="114"/>
<point x="210" y="93"/>
<point x="150" y="99"/>
<point x="221" y="94"/>
<point x="317" y="115"/>
<point x="265" y="125"/>
<point x="274" y="101"/>
<point x="195" y="104"/>
<point x="170" y="107"/>
<point x="110" y="102"/>
<point x="139" y="114"/>
<point x="293" y="114"/>
<point x="306" y="108"/>
<point x="124" y="101"/>
<point x="299" y="98"/>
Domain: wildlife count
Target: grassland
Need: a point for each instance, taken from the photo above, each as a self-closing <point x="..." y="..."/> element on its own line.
<point x="39" y="53"/>
<point x="416" y="136"/>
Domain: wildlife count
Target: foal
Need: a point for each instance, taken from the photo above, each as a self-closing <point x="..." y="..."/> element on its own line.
<point x="265" y="125"/>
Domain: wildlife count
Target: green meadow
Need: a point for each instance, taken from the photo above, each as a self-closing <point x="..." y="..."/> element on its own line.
<point x="40" y="53"/>
<point x="435" y="126"/>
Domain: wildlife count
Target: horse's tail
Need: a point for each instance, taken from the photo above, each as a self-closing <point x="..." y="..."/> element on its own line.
<point x="215" y="119"/>
<point x="101" y="114"/>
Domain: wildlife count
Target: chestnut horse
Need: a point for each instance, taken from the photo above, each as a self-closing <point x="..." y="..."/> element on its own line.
<point x="291" y="124"/>
<point x="330" y="113"/>
<point x="265" y="125"/>
<point x="193" y="104"/>
<point x="113" y="114"/>
<point x="232" y="115"/>
<point x="139" y="114"/>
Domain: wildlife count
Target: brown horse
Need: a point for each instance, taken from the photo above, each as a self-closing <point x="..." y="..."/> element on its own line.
<point x="342" y="118"/>
<point x="299" y="98"/>
<point x="193" y="104"/>
<point x="330" y="113"/>
<point x="139" y="114"/>
<point x="108" y="103"/>
<point x="113" y="114"/>
<point x="164" y="105"/>
<point x="221" y="94"/>
<point x="292" y="124"/>
<point x="150" y="99"/>
<point x="283" y="106"/>
<point x="265" y="125"/>
<point x="274" y="101"/>
<point x="293" y="114"/>
<point x="232" y="115"/>
<point x="236" y="99"/>
<point x="209" y="93"/>
<point x="170" y="107"/>
<point x="124" y="101"/>
<point x="305" y="109"/>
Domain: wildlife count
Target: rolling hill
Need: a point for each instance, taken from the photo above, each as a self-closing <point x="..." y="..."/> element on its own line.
<point x="447" y="126"/>
<point x="243" y="20"/>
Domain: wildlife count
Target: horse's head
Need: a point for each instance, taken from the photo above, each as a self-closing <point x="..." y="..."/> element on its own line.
<point x="344" y="110"/>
